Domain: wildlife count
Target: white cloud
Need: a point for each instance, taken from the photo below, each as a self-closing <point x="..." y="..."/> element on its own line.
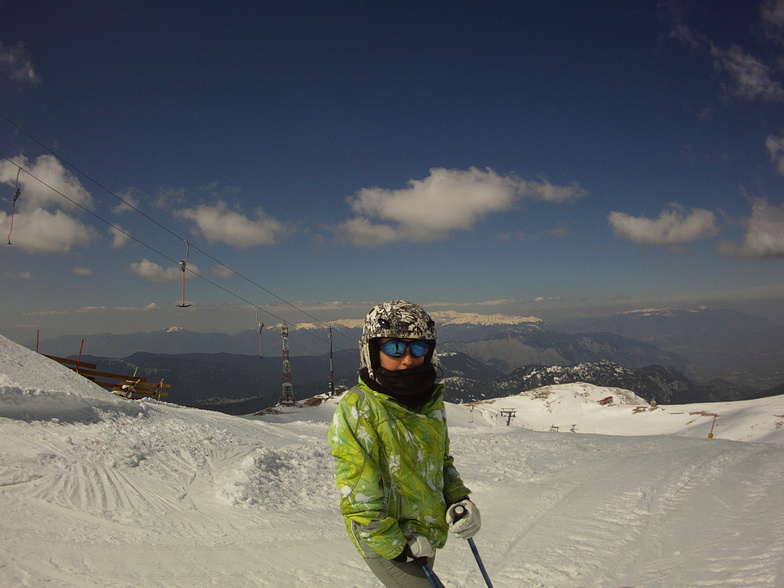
<point x="445" y="201"/>
<point x="18" y="275"/>
<point x="775" y="146"/>
<point x="764" y="233"/>
<point x="44" y="183"/>
<point x="129" y="201"/>
<point x="82" y="271"/>
<point x="217" y="223"/>
<point x="40" y="223"/>
<point x="40" y="231"/>
<point x="752" y="78"/>
<point x="16" y="61"/>
<point x="152" y="272"/>
<point x="119" y="235"/>
<point x="672" y="227"/>
<point x="495" y="302"/>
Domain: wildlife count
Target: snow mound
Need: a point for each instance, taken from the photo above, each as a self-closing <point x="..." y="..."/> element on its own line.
<point x="585" y="408"/>
<point x="293" y="477"/>
<point x="36" y="388"/>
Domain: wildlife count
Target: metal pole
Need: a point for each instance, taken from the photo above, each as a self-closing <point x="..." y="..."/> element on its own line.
<point x="480" y="564"/>
<point x="331" y="370"/>
<point x="431" y="578"/>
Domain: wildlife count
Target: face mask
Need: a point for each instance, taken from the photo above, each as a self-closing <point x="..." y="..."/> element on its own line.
<point x="407" y="382"/>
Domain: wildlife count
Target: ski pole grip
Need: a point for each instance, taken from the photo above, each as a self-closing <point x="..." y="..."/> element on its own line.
<point x="460" y="512"/>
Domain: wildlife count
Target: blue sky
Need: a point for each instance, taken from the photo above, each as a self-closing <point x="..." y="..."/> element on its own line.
<point x="551" y="159"/>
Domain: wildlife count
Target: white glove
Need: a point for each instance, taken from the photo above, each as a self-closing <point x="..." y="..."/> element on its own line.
<point x="419" y="546"/>
<point x="463" y="519"/>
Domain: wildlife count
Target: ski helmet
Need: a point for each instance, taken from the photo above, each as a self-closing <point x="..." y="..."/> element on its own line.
<point x="397" y="319"/>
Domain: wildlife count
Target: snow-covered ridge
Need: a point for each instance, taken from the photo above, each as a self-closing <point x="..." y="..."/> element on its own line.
<point x="450" y="317"/>
<point x="442" y="318"/>
<point x="661" y="311"/>
<point x="347" y="323"/>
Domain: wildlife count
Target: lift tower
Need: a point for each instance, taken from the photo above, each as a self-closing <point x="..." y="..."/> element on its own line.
<point x="287" y="394"/>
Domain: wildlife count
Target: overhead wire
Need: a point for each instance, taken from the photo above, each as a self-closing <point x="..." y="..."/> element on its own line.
<point x="160" y="253"/>
<point x="154" y="221"/>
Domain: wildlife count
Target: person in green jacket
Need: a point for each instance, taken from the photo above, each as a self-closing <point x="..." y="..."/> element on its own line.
<point x="399" y="488"/>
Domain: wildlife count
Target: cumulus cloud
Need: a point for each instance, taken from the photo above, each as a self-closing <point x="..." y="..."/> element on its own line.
<point x="447" y="200"/>
<point x="40" y="231"/>
<point x="751" y="78"/>
<point x="154" y="273"/>
<point x="673" y="227"/>
<point x="44" y="183"/>
<point x="42" y="219"/>
<point x="764" y="233"/>
<point x="217" y="223"/>
<point x="16" y="62"/>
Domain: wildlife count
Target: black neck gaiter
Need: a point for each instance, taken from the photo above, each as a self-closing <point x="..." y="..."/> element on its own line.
<point x="411" y="387"/>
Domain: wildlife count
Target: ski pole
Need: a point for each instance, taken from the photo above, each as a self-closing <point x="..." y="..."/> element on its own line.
<point x="460" y="512"/>
<point x="479" y="563"/>
<point x="431" y="578"/>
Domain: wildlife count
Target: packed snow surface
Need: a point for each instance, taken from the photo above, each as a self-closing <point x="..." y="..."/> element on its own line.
<point x="98" y="490"/>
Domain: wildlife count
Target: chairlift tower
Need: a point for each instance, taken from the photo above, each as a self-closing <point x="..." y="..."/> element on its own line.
<point x="287" y="394"/>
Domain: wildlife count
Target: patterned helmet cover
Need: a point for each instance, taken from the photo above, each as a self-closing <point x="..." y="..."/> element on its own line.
<point x="397" y="319"/>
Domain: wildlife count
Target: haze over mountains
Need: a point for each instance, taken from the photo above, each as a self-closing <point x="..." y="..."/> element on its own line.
<point x="699" y="354"/>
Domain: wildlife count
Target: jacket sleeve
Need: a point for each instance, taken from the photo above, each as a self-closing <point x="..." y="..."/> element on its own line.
<point x="454" y="489"/>
<point x="363" y="498"/>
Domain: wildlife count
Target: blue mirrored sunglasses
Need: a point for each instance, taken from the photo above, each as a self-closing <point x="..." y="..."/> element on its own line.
<point x="397" y="348"/>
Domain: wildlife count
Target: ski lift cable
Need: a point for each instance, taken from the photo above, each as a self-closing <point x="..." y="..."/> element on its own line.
<point x="154" y="250"/>
<point x="157" y="223"/>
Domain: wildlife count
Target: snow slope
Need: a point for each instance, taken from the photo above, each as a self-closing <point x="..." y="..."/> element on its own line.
<point x="97" y="490"/>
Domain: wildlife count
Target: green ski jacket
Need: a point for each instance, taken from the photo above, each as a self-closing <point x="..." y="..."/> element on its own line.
<point x="394" y="471"/>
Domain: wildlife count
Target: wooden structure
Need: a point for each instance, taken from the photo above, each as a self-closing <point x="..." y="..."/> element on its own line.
<point x="129" y="386"/>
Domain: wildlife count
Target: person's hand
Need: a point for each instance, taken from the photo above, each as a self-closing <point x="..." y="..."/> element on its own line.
<point x="463" y="519"/>
<point x="417" y="547"/>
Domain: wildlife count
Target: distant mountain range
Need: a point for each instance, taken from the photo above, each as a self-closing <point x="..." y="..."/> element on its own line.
<point x="723" y="344"/>
<point x="654" y="383"/>
<point x="713" y="354"/>
<point x="243" y="384"/>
